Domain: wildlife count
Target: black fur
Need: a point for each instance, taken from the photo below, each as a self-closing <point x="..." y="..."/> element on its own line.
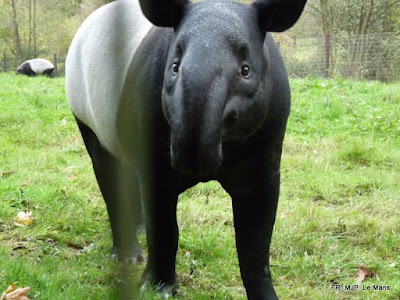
<point x="49" y="72"/>
<point x="26" y="69"/>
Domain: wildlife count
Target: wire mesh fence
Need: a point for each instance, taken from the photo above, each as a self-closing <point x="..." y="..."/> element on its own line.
<point x="10" y="64"/>
<point x="371" y="57"/>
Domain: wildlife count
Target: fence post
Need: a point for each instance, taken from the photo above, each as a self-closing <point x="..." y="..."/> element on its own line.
<point x="55" y="65"/>
<point x="327" y="54"/>
<point x="5" y="62"/>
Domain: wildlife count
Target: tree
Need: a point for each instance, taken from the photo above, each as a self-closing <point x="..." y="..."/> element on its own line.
<point x="327" y="30"/>
<point x="12" y="5"/>
<point x="353" y="22"/>
<point x="33" y="28"/>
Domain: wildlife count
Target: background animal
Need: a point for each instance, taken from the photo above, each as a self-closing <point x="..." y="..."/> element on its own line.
<point x="36" y="66"/>
<point x="203" y="95"/>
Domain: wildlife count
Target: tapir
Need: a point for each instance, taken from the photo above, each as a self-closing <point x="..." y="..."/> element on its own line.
<point x="169" y="93"/>
<point x="36" y="66"/>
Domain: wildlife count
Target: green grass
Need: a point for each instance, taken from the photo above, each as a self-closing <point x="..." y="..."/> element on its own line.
<point x="339" y="205"/>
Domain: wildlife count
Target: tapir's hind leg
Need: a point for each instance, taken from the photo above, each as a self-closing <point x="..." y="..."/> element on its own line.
<point x="119" y="185"/>
<point x="49" y="72"/>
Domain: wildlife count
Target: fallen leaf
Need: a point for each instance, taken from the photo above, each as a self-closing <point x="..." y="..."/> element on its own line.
<point x="336" y="271"/>
<point x="7" y="173"/>
<point x="18" y="294"/>
<point x="186" y="253"/>
<point x="15" y="294"/>
<point x="285" y="214"/>
<point x="72" y="176"/>
<point x="11" y="287"/>
<point x="362" y="273"/>
<point x="24" y="218"/>
<point x="64" y="121"/>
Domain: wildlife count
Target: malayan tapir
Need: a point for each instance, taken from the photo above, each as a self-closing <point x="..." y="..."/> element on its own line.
<point x="200" y="95"/>
<point x="36" y="66"/>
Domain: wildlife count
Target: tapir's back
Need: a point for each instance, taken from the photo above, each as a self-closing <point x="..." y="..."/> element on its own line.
<point x="97" y="63"/>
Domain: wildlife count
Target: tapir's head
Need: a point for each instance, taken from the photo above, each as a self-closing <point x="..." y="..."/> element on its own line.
<point x="216" y="86"/>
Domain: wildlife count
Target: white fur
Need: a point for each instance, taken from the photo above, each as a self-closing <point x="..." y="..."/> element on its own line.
<point x="97" y="64"/>
<point x="38" y="65"/>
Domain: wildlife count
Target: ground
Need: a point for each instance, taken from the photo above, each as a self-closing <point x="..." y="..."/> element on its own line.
<point x="338" y="208"/>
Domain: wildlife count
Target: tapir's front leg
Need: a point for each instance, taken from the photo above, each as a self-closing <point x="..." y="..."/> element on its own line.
<point x="162" y="238"/>
<point x="254" y="211"/>
<point x="120" y="190"/>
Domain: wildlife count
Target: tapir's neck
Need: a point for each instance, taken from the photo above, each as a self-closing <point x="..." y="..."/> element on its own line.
<point x="141" y="96"/>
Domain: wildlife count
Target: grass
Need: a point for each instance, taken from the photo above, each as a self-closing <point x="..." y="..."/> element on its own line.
<point x="339" y="205"/>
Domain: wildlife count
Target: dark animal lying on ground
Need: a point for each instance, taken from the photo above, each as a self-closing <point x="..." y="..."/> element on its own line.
<point x="203" y="95"/>
<point x="36" y="66"/>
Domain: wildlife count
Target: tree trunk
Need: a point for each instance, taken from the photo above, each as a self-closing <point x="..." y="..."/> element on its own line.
<point x="327" y="55"/>
<point x="327" y="30"/>
<point x="5" y="69"/>
<point x="326" y="25"/>
<point x="55" y="62"/>
<point x="30" y="29"/>
<point x="34" y="30"/>
<point x="17" y="39"/>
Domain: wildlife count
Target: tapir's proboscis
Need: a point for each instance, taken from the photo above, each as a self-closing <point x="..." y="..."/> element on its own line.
<point x="169" y="93"/>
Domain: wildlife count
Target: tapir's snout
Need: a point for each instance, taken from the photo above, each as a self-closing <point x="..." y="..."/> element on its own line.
<point x="191" y="157"/>
<point x="195" y="112"/>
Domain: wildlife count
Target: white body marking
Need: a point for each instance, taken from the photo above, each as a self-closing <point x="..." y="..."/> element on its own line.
<point x="97" y="64"/>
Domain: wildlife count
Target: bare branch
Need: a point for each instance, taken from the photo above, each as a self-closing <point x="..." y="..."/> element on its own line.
<point x="384" y="12"/>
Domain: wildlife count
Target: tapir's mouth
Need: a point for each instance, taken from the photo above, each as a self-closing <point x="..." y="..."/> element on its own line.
<point x="191" y="160"/>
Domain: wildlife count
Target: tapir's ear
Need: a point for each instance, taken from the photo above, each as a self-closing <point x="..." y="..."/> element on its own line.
<point x="166" y="13"/>
<point x="278" y="15"/>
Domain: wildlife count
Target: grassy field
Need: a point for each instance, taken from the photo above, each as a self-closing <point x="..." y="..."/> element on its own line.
<point x="339" y="205"/>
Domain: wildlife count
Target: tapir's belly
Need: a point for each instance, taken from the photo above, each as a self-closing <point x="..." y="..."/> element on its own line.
<point x="97" y="64"/>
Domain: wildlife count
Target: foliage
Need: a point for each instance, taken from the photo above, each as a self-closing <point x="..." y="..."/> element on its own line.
<point x="44" y="27"/>
<point x="338" y="208"/>
<point x="351" y="17"/>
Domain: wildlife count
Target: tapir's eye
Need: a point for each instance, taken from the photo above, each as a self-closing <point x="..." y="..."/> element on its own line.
<point x="175" y="67"/>
<point x="245" y="72"/>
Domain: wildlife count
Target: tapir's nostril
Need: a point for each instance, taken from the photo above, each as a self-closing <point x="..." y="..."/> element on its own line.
<point x="230" y="118"/>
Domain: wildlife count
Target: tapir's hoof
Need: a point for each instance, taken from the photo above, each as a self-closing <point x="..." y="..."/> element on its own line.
<point x="131" y="257"/>
<point x="140" y="258"/>
<point x="164" y="290"/>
